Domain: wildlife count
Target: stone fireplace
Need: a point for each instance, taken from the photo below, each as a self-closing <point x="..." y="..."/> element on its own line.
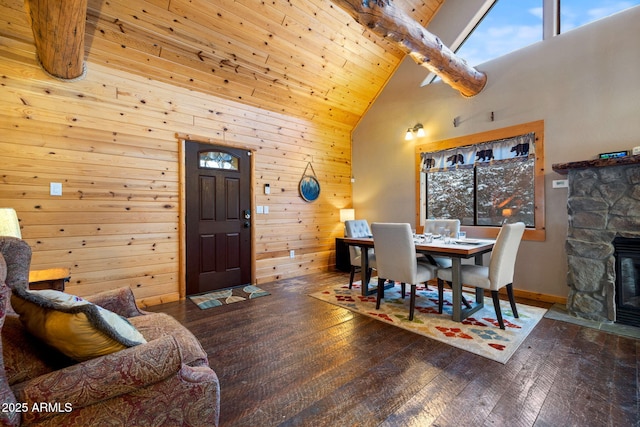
<point x="603" y="205"/>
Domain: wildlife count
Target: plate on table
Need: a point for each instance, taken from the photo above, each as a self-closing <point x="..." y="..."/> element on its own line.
<point x="468" y="242"/>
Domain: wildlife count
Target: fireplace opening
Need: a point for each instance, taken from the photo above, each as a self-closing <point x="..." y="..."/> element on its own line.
<point x="627" y="288"/>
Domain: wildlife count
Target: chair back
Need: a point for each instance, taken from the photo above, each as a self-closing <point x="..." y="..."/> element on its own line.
<point x="395" y="252"/>
<point x="15" y="258"/>
<point x="433" y="226"/>
<point x="356" y="228"/>
<point x="9" y="224"/>
<point x="503" y="256"/>
<point x="17" y="255"/>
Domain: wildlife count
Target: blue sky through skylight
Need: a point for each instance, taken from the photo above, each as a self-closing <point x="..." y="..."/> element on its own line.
<point x="513" y="24"/>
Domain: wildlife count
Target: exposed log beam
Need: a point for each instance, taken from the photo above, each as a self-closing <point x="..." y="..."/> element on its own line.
<point x="58" y="29"/>
<point x="390" y="22"/>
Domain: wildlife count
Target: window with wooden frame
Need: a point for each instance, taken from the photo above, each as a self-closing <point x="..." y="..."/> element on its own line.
<point x="484" y="179"/>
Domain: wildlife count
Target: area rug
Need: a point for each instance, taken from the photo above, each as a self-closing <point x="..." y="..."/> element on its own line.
<point x="228" y="296"/>
<point x="479" y="333"/>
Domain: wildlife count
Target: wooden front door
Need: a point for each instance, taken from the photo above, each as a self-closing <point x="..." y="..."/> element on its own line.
<point x="218" y="217"/>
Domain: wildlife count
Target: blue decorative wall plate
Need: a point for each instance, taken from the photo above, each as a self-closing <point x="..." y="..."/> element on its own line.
<point x="309" y="188"/>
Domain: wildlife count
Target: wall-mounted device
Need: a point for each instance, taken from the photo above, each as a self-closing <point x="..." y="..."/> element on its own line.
<point x="613" y="155"/>
<point x="267" y="189"/>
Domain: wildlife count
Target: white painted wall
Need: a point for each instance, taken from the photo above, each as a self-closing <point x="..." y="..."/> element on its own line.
<point x="584" y="84"/>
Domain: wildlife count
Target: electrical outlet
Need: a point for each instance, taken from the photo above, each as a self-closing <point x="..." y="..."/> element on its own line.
<point x="292" y="253"/>
<point x="266" y="209"/>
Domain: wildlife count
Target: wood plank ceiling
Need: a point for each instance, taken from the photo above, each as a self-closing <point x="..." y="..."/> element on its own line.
<point x="304" y="58"/>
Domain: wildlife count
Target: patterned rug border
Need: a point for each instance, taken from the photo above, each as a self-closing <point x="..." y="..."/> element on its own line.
<point x="227" y="296"/>
<point x="478" y="334"/>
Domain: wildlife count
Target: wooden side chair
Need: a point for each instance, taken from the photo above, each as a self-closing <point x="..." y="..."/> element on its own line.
<point x="498" y="274"/>
<point x="396" y="260"/>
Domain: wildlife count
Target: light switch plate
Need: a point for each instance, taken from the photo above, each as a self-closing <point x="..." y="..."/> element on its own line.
<point x="560" y="183"/>
<point x="55" y="188"/>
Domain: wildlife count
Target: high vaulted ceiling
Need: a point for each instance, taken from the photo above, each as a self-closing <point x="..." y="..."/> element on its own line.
<point x="306" y="58"/>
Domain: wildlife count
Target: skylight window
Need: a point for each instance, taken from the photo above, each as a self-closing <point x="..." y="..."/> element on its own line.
<point x="509" y="25"/>
<point x="575" y="13"/>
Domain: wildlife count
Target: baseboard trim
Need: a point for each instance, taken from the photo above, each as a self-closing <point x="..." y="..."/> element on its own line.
<point x="536" y="296"/>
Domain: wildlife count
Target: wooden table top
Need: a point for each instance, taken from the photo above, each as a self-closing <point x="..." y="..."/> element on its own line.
<point x="437" y="246"/>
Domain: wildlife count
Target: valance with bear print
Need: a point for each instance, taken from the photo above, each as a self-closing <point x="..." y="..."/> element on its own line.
<point x="517" y="148"/>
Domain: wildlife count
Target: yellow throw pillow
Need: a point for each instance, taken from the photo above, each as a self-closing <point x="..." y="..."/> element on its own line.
<point x="76" y="327"/>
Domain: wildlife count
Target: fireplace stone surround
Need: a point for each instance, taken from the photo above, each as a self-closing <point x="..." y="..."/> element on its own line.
<point x="603" y="203"/>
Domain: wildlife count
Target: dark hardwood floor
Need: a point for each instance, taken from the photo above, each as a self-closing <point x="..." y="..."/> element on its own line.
<point x="291" y="360"/>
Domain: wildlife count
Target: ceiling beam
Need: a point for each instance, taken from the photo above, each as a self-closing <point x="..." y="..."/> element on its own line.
<point x="58" y="29"/>
<point x="384" y="19"/>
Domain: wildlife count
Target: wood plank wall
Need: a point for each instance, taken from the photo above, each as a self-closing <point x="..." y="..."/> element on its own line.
<point x="111" y="140"/>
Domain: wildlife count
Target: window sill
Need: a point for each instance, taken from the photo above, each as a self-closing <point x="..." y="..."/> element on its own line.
<point x="536" y="235"/>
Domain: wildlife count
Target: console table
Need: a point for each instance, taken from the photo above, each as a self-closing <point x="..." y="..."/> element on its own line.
<point x="51" y="278"/>
<point x="343" y="262"/>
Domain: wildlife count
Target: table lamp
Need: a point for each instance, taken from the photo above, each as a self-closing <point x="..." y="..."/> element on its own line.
<point x="9" y="225"/>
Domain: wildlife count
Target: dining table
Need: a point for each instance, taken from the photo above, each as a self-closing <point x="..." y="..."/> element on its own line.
<point x="457" y="250"/>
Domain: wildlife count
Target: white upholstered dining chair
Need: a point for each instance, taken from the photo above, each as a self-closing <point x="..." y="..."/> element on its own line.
<point x="498" y="274"/>
<point x="433" y="226"/>
<point x="396" y="260"/>
<point x="359" y="228"/>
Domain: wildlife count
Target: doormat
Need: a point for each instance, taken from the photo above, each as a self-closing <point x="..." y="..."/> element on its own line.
<point x="478" y="334"/>
<point x="228" y="296"/>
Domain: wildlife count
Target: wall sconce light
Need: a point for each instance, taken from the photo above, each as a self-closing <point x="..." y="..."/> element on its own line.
<point x="417" y="129"/>
<point x="9" y="225"/>
<point x="347" y="215"/>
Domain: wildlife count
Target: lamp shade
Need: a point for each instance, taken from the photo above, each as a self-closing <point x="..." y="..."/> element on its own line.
<point x="9" y="225"/>
<point x="347" y="215"/>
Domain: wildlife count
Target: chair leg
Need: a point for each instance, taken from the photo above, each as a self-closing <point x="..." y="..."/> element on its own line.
<point x="412" y="303"/>
<point x="353" y="272"/>
<point x="403" y="289"/>
<point x="496" y="305"/>
<point x="440" y="294"/>
<point x="380" y="292"/>
<point x="512" y="300"/>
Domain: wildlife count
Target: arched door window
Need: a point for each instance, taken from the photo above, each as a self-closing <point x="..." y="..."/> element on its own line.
<point x="218" y="160"/>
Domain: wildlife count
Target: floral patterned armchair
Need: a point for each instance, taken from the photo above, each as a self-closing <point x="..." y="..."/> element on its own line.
<point x="165" y="381"/>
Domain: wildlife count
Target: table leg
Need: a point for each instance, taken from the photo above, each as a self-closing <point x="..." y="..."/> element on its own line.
<point x="456" y="288"/>
<point x="364" y="267"/>
<point x="459" y="313"/>
<point x="479" y="291"/>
